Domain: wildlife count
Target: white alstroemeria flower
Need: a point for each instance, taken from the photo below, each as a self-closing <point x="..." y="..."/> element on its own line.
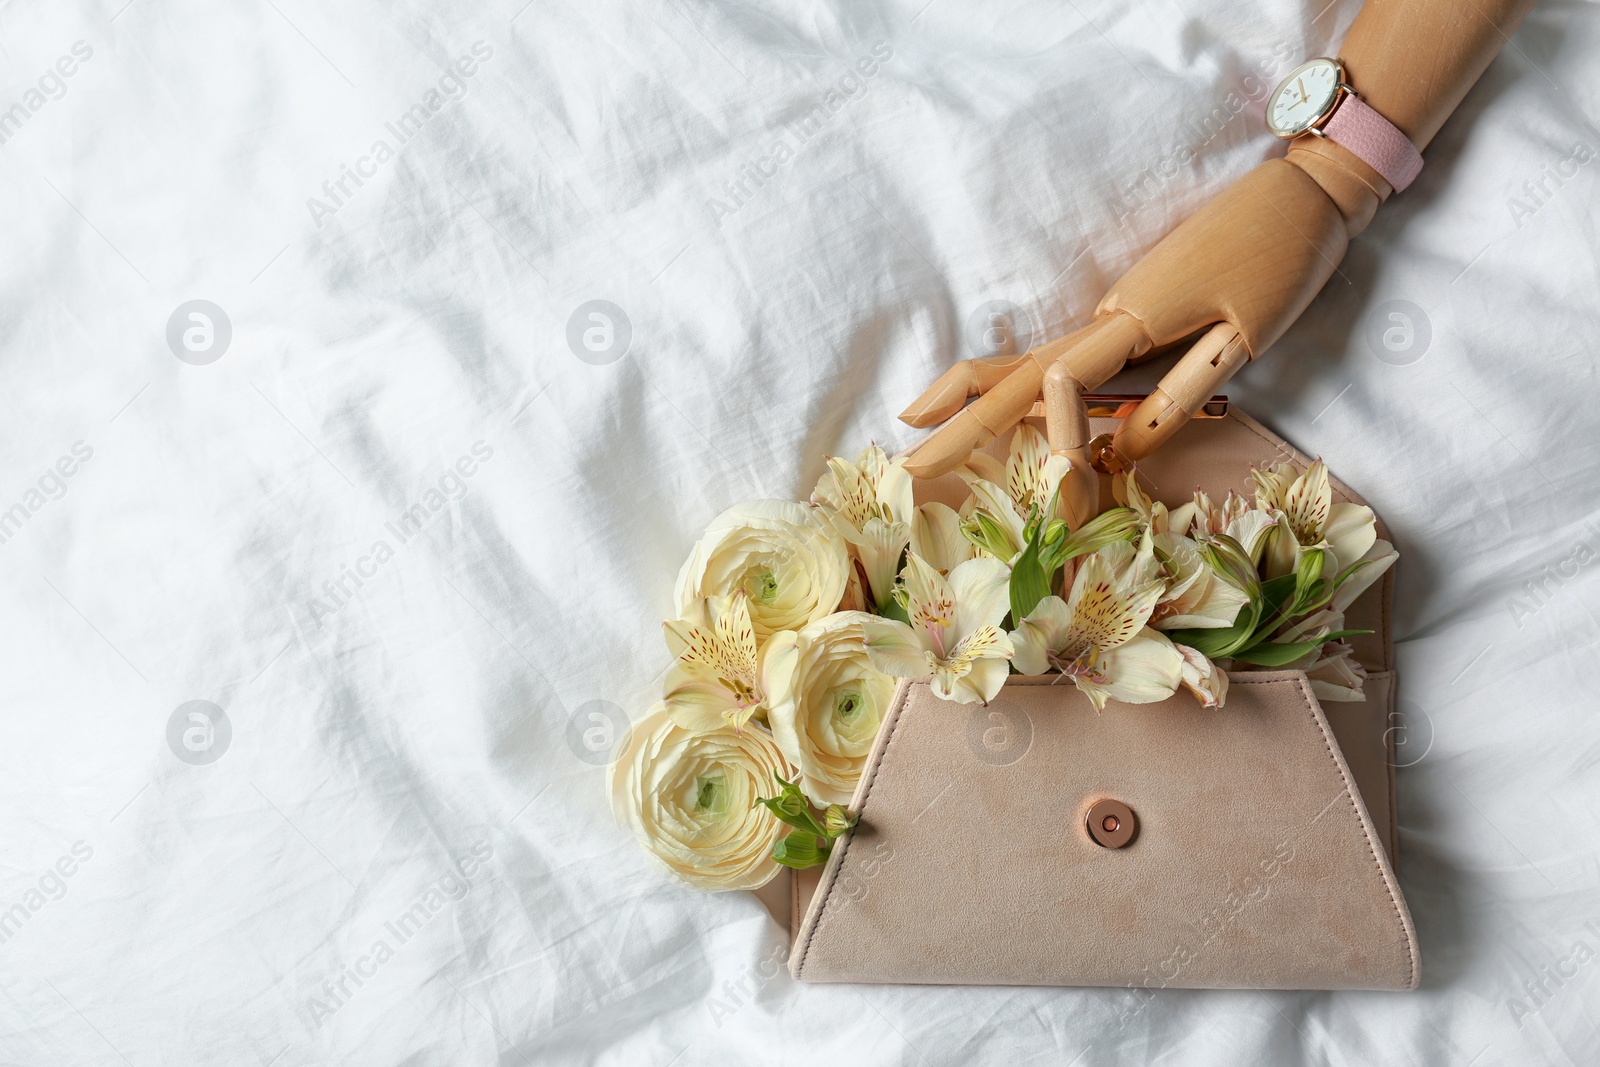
<point x="1379" y="558"/>
<point x="990" y="521"/>
<point x="716" y="681"/>
<point x="690" y="799"/>
<point x="1196" y="596"/>
<point x="1201" y="518"/>
<point x="784" y="557"/>
<point x="854" y="599"/>
<point x="825" y="703"/>
<point x="1098" y="637"/>
<point x="1204" y="679"/>
<point x="1202" y="515"/>
<point x="1132" y="565"/>
<point x="1335" y="673"/>
<point x="1306" y="517"/>
<point x="1152" y="514"/>
<point x="1193" y="594"/>
<point x="1033" y="475"/>
<point x="954" y="637"/>
<point x="1007" y="495"/>
<point x="869" y="502"/>
<point x="936" y="536"/>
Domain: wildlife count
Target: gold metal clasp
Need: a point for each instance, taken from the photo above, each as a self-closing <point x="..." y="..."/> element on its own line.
<point x="1103" y="456"/>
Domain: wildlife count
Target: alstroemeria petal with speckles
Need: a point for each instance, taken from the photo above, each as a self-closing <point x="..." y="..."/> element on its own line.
<point x="1307" y="502"/>
<point x="1103" y="613"/>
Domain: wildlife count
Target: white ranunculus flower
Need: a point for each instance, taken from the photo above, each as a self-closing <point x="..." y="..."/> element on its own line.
<point x="690" y="799"/>
<point x="825" y="701"/>
<point x="788" y="561"/>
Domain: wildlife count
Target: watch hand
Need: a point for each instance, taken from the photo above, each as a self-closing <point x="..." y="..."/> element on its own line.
<point x="1304" y="96"/>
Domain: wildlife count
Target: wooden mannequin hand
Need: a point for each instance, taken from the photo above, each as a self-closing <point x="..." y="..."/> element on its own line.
<point x="1242" y="269"/>
<point x="1246" y="265"/>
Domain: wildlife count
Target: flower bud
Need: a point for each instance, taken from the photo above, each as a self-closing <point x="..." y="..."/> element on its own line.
<point x="788" y="803"/>
<point x="1309" y="568"/>
<point x="790" y="806"/>
<point x="1118" y="524"/>
<point x="1228" y="558"/>
<point x="985" y="531"/>
<point x="836" y="820"/>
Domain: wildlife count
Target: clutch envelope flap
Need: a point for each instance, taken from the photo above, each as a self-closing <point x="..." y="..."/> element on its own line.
<point x="1253" y="861"/>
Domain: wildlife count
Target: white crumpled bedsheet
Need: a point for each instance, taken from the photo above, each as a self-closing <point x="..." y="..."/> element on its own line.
<point x="403" y="544"/>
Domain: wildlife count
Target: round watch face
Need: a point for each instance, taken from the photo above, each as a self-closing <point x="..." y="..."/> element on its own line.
<point x="1305" y="96"/>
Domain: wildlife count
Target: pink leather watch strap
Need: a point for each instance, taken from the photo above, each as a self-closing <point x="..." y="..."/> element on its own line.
<point x="1376" y="141"/>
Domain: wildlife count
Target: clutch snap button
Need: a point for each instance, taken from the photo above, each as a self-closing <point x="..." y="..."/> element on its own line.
<point x="1111" y="823"/>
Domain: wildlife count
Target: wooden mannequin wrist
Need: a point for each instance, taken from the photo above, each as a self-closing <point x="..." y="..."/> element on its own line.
<point x="1412" y="61"/>
<point x="1353" y="186"/>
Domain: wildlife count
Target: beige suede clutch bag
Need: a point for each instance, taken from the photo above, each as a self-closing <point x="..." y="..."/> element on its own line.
<point x="1034" y="842"/>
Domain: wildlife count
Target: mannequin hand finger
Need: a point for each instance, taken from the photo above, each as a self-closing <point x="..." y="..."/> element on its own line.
<point x="1183" y="391"/>
<point x="1067" y="427"/>
<point x="1092" y="355"/>
<point x="969" y="378"/>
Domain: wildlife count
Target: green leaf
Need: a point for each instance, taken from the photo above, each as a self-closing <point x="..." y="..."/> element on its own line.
<point x="1276" y="596"/>
<point x="1326" y="589"/>
<point x="1348" y="571"/>
<point x="1276" y="654"/>
<point x="801" y="850"/>
<point x="1030" y="583"/>
<point x="1276" y="592"/>
<point x="1218" y="642"/>
<point x="1344" y="575"/>
<point x="894" y="610"/>
<point x="1340" y="634"/>
<point x="1320" y="593"/>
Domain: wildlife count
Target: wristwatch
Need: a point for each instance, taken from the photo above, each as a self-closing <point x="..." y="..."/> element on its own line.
<point x="1315" y="98"/>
